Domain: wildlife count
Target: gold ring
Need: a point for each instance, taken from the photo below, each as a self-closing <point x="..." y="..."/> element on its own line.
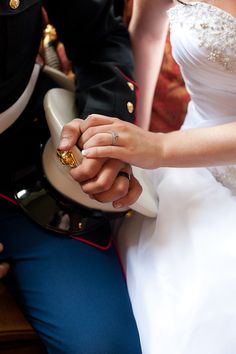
<point x="66" y="158"/>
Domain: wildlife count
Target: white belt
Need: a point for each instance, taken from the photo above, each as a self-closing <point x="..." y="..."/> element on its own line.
<point x="8" y="117"/>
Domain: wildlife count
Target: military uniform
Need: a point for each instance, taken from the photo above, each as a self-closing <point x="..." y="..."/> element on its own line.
<point x="95" y="41"/>
<point x="73" y="294"/>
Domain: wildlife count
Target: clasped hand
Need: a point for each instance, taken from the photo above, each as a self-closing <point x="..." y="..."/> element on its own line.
<point x="103" y="137"/>
<point x="99" y="177"/>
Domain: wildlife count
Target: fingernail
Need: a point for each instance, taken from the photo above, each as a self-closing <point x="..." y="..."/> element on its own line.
<point x="85" y="152"/>
<point x="117" y="205"/>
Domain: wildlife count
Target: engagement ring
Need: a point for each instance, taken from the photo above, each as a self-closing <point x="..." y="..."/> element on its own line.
<point x="114" y="138"/>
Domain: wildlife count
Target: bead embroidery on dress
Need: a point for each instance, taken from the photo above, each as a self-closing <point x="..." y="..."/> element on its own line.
<point x="226" y="175"/>
<point x="215" y="28"/>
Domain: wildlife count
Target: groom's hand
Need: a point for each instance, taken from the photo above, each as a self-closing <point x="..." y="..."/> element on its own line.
<point x="108" y="180"/>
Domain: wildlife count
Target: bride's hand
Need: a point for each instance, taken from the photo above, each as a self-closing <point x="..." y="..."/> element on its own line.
<point x="103" y="136"/>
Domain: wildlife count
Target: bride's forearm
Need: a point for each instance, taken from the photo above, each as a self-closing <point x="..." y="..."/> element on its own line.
<point x="198" y="147"/>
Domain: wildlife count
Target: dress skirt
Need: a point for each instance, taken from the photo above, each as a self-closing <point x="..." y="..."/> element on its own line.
<point x="181" y="266"/>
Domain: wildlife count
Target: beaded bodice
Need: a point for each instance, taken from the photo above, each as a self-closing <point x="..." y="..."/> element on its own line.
<point x="214" y="28"/>
<point x="203" y="39"/>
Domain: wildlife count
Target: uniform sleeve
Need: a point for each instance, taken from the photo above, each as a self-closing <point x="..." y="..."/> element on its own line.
<point x="98" y="45"/>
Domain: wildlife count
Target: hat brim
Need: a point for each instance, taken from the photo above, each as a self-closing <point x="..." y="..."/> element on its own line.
<point x="59" y="214"/>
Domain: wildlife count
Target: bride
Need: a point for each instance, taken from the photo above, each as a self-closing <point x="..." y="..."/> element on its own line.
<point x="181" y="267"/>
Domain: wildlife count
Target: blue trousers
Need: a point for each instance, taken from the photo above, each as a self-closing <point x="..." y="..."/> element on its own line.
<point x="73" y="294"/>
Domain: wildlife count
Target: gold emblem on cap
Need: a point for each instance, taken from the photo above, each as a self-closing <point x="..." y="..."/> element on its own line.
<point x="131" y="85"/>
<point x="130" y="107"/>
<point x="14" y="4"/>
<point x="66" y="158"/>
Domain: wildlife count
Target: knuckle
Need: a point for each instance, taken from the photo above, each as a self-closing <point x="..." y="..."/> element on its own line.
<point x="69" y="129"/>
<point x="87" y="173"/>
<point x="91" y="131"/>
<point x="72" y="125"/>
<point x="81" y="174"/>
<point x="92" y="118"/>
<point x="121" y="189"/>
<point x="100" y="198"/>
<point x="103" y="185"/>
<point x="76" y="121"/>
<point x="85" y="188"/>
<point x="116" y="121"/>
<point x="120" y="126"/>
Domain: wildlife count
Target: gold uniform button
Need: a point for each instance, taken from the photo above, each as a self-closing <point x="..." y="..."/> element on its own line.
<point x="80" y="225"/>
<point x="130" y="107"/>
<point x="131" y="85"/>
<point x="14" y="4"/>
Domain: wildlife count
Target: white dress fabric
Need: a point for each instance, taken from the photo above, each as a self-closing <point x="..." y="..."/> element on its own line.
<point x="181" y="267"/>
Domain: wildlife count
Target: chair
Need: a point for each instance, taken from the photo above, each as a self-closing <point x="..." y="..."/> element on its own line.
<point x="16" y="334"/>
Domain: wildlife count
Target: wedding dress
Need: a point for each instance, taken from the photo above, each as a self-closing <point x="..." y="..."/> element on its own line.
<point x="181" y="267"/>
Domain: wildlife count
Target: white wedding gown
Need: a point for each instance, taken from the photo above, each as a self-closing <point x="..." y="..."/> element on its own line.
<point x="181" y="267"/>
